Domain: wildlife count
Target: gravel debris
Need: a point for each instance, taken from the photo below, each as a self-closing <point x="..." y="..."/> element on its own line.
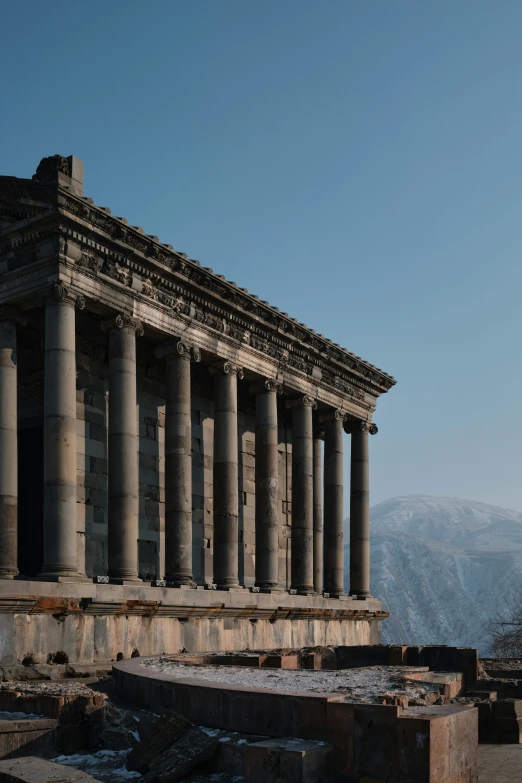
<point x="366" y="684"/>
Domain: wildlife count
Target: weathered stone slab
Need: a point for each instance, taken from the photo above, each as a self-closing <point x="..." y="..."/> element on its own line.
<point x="170" y="728"/>
<point x="23" y="737"/>
<point x="191" y="751"/>
<point x="286" y="761"/>
<point x="30" y="769"/>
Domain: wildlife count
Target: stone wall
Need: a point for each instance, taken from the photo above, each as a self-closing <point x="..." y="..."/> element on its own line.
<point x="98" y="623"/>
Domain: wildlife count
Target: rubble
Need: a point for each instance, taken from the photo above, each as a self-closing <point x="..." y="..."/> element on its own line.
<point x="171" y="748"/>
<point x="188" y="753"/>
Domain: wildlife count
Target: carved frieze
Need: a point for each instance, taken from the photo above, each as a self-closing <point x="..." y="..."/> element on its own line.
<point x="195" y="292"/>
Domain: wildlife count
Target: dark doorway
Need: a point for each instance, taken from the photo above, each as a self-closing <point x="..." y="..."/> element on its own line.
<point x="30" y="501"/>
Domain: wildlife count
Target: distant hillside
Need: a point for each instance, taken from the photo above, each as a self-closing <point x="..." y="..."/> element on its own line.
<point x="443" y="567"/>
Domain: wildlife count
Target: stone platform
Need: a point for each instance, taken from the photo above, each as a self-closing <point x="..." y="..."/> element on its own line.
<point x="91" y="623"/>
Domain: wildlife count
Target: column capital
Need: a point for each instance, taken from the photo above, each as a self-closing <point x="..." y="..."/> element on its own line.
<point x="12" y="315"/>
<point x="58" y="292"/>
<point x="332" y="414"/>
<point x="354" y="426"/>
<point x="122" y="321"/>
<point x="265" y="386"/>
<point x="226" y="368"/>
<point x="302" y="402"/>
<point x="178" y="348"/>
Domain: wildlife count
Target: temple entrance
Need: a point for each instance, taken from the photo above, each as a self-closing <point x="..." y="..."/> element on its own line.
<point x="30" y="501"/>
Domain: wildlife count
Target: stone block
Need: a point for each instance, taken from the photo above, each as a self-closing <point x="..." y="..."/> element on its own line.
<point x="339" y="719"/>
<point x="25" y="737"/>
<point x="186" y="754"/>
<point x="506" y="721"/>
<point x="438" y="744"/>
<point x="375" y="746"/>
<point x="30" y="769"/>
<point x="286" y="761"/>
<point x="168" y="729"/>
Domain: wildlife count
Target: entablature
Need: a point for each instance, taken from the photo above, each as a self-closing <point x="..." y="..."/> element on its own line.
<point x="89" y="242"/>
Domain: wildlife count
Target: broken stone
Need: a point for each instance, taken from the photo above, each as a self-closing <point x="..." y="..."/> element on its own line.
<point x="397" y="699"/>
<point x="120" y="728"/>
<point x="286" y="761"/>
<point x="167" y="730"/>
<point x="191" y="751"/>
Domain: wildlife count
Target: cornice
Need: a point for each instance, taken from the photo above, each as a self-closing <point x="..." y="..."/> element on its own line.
<point x="158" y="254"/>
<point x="110" y="248"/>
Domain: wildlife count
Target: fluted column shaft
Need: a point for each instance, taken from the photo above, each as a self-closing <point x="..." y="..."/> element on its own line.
<point x="318" y="515"/>
<point x="59" y="513"/>
<point x="178" y="466"/>
<point x="302" y="497"/>
<point x="360" y="511"/>
<point x="333" y="506"/>
<point x="123" y="451"/>
<point x="226" y="490"/>
<point x="267" y="488"/>
<point x="8" y="452"/>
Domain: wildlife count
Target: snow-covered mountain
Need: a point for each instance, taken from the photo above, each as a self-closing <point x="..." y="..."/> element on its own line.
<point x="444" y="568"/>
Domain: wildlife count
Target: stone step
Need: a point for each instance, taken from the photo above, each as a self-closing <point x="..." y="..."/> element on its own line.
<point x="38" y="734"/>
<point x="30" y="769"/>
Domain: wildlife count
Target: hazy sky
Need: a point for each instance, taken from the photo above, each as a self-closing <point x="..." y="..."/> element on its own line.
<point x="357" y="164"/>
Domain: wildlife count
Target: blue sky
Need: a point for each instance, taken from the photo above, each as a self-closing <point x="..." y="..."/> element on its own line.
<point x="358" y="164"/>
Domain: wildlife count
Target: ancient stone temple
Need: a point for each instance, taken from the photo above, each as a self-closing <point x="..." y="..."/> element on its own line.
<point x="171" y="447"/>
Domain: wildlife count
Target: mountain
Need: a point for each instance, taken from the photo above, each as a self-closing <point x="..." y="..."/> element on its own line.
<point x="444" y="568"/>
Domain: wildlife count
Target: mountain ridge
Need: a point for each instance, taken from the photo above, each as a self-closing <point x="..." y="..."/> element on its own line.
<point x="444" y="568"/>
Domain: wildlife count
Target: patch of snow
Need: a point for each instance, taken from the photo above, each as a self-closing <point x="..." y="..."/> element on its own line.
<point x="4" y="715"/>
<point x="105" y="765"/>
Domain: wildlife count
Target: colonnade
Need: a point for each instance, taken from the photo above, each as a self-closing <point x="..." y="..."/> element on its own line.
<point x="317" y="541"/>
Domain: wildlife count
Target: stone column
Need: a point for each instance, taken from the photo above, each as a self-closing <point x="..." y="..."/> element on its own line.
<point x="333" y="505"/>
<point x="59" y="514"/>
<point x="318" y="513"/>
<point x="123" y="450"/>
<point x="360" y="509"/>
<point x="302" y="496"/>
<point x="226" y="488"/>
<point x="8" y="446"/>
<point x="267" y="486"/>
<point x="178" y="463"/>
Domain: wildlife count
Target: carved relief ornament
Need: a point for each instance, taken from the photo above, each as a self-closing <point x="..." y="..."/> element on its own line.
<point x="226" y="368"/>
<point x="123" y="321"/>
<point x="239" y="298"/>
<point x="178" y="348"/>
<point x="59" y="292"/>
<point x="302" y="402"/>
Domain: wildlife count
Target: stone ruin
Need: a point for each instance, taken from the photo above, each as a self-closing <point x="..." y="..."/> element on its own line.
<point x="172" y="447"/>
<point x="171" y="489"/>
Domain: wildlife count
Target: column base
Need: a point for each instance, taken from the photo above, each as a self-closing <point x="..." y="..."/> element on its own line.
<point x="181" y="585"/>
<point x="337" y="596"/>
<point x="230" y="588"/>
<point x="62" y="578"/>
<point x="270" y="590"/>
<point x="302" y="591"/>
<point x="125" y="582"/>
<point x="12" y="575"/>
